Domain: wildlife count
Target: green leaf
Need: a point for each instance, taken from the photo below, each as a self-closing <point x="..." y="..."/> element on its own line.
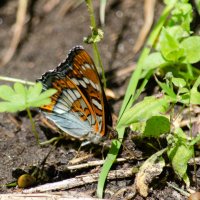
<point x="110" y="159"/>
<point x="35" y="90"/>
<point x="182" y="15"/>
<point x="6" y="92"/>
<point x="180" y="151"/>
<point x="46" y="94"/>
<point x="190" y="97"/>
<point x="183" y="91"/>
<point x="197" y="4"/>
<point x="138" y="127"/>
<point x="22" y="97"/>
<point x="170" y="47"/>
<point x="7" y="107"/>
<point x="20" y="89"/>
<point x="16" y="100"/>
<point x="178" y="32"/>
<point x="185" y="98"/>
<point x="178" y="82"/>
<point x="170" y="2"/>
<point x="169" y="91"/>
<point x="179" y="156"/>
<point x="194" y="93"/>
<point x="142" y="111"/>
<point x="195" y="140"/>
<point x="36" y="99"/>
<point x="195" y="97"/>
<point x="156" y="126"/>
<point x="191" y="46"/>
<point x="39" y="102"/>
<point x="186" y="180"/>
<point x="153" y="61"/>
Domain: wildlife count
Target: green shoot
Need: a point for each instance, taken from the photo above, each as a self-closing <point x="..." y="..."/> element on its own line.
<point x="15" y="80"/>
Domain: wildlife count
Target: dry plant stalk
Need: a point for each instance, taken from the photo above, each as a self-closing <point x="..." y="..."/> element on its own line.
<point x="50" y="5"/>
<point x="149" y="6"/>
<point x="79" y="181"/>
<point x="48" y="196"/>
<point x="68" y="6"/>
<point x="94" y="163"/>
<point x="20" y="21"/>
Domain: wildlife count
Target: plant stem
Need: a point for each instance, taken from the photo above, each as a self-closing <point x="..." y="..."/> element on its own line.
<point x="178" y="189"/>
<point x="91" y="12"/>
<point x="5" y="78"/>
<point x="33" y="125"/>
<point x="52" y="140"/>
<point x="95" y="46"/>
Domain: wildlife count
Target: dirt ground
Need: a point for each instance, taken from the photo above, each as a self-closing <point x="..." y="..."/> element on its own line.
<point x="47" y="38"/>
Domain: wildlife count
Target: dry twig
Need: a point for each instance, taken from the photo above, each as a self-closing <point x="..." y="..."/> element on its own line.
<point x="68" y="6"/>
<point x="50" y="5"/>
<point x="18" y="28"/>
<point x="149" y="6"/>
<point x="80" y="180"/>
<point x="48" y="196"/>
<point x="80" y="159"/>
<point x="94" y="163"/>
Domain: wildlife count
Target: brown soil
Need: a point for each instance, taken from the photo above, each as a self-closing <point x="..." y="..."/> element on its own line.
<point x="47" y="38"/>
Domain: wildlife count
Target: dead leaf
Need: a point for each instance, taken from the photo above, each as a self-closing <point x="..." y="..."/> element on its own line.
<point x="151" y="168"/>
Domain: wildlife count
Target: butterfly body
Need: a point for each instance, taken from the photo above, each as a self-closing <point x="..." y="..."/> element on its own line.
<point x="79" y="108"/>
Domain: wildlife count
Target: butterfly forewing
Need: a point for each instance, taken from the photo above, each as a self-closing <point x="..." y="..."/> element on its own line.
<point x="79" y="105"/>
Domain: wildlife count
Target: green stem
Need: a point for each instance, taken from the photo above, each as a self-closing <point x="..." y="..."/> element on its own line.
<point x="91" y="12"/>
<point x="100" y="63"/>
<point x="33" y="125"/>
<point x="4" y="78"/>
<point x="95" y="46"/>
<point x="178" y="189"/>
<point x="52" y="140"/>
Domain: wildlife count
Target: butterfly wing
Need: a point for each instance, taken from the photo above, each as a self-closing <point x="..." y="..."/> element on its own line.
<point x="79" y="106"/>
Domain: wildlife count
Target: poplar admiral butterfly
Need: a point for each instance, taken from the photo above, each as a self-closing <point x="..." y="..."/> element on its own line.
<point x="79" y="107"/>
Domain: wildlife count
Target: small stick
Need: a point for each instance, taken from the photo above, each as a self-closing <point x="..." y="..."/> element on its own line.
<point x="80" y="159"/>
<point x="94" y="163"/>
<point x="80" y="180"/>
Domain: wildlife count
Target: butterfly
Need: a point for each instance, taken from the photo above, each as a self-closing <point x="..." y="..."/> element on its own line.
<point x="79" y="107"/>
